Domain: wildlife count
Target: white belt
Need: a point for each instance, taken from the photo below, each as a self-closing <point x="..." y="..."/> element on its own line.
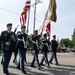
<point x="34" y="42"/>
<point x="20" y="39"/>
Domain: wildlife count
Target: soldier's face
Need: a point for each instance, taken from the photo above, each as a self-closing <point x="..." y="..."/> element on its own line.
<point x="54" y="37"/>
<point x="23" y="29"/>
<point x="45" y="36"/>
<point x="36" y="33"/>
<point x="9" y="28"/>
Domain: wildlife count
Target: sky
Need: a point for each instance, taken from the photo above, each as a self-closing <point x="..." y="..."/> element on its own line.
<point x="10" y="11"/>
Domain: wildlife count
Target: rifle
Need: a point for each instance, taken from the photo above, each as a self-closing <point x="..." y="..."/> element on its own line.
<point x="16" y="29"/>
<point x="7" y="47"/>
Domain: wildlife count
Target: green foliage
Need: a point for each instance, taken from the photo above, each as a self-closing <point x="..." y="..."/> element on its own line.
<point x="73" y="37"/>
<point x="30" y="37"/>
<point x="30" y="40"/>
<point x="66" y="42"/>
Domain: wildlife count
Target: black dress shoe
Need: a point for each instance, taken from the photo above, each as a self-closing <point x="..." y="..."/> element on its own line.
<point x="42" y="64"/>
<point x="18" y="68"/>
<point x="7" y="73"/>
<point x="39" y="67"/>
<point x="24" y="72"/>
<point x="50" y="62"/>
<point x="15" y="62"/>
<point x="33" y="66"/>
<point x="57" y="64"/>
<point x="48" y="66"/>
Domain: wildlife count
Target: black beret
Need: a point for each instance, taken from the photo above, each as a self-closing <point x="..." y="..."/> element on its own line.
<point x="54" y="35"/>
<point x="9" y="24"/>
<point x="35" y="31"/>
<point x="45" y="34"/>
<point x="23" y="27"/>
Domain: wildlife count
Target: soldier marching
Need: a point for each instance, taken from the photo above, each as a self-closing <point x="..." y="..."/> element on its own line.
<point x="18" y="43"/>
<point x="8" y="42"/>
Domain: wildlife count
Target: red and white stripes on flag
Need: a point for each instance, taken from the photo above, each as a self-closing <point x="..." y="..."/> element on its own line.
<point x="23" y="16"/>
<point x="46" y="25"/>
<point x="27" y="5"/>
<point x="48" y="29"/>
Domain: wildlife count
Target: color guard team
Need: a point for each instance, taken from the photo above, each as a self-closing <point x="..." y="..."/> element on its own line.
<point x="18" y="43"/>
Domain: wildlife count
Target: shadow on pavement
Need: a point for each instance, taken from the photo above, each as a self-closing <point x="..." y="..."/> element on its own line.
<point x="13" y="67"/>
<point x="65" y="70"/>
<point x="57" y="70"/>
<point x="67" y="66"/>
<point x="13" y="74"/>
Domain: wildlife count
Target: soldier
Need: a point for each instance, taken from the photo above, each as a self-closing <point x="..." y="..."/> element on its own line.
<point x="8" y="45"/>
<point x="35" y="40"/>
<point x="54" y="45"/>
<point x="15" y="56"/>
<point x="16" y="50"/>
<point x="22" y="45"/>
<point x="45" y="42"/>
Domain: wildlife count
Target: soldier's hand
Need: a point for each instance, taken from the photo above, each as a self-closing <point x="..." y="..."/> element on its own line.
<point x="41" y="34"/>
<point x="8" y="43"/>
<point x="12" y="36"/>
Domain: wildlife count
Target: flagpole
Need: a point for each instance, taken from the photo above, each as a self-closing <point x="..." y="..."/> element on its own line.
<point x="28" y="21"/>
<point x="34" y="16"/>
<point x="36" y="2"/>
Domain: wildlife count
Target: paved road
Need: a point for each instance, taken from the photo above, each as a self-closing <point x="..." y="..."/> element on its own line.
<point x="66" y="67"/>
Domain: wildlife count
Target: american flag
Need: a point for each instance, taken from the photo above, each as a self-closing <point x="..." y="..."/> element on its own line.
<point x="46" y="25"/>
<point x="23" y="16"/>
<point x="48" y="29"/>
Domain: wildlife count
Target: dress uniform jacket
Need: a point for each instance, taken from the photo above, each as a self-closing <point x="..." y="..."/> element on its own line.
<point x="35" y="40"/>
<point x="54" y="45"/>
<point x="20" y="43"/>
<point x="44" y="44"/>
<point x="6" y="37"/>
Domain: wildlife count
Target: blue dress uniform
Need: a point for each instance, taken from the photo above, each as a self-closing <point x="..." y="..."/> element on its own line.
<point x="45" y="42"/>
<point x="15" y="53"/>
<point x="54" y="45"/>
<point x="35" y="40"/>
<point x="22" y="37"/>
<point x="7" y="50"/>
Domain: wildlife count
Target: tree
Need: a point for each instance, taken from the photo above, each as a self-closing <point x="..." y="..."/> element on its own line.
<point x="71" y="45"/>
<point x="66" y="42"/>
<point x="30" y="37"/>
<point x="73" y="37"/>
<point x="30" y="40"/>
